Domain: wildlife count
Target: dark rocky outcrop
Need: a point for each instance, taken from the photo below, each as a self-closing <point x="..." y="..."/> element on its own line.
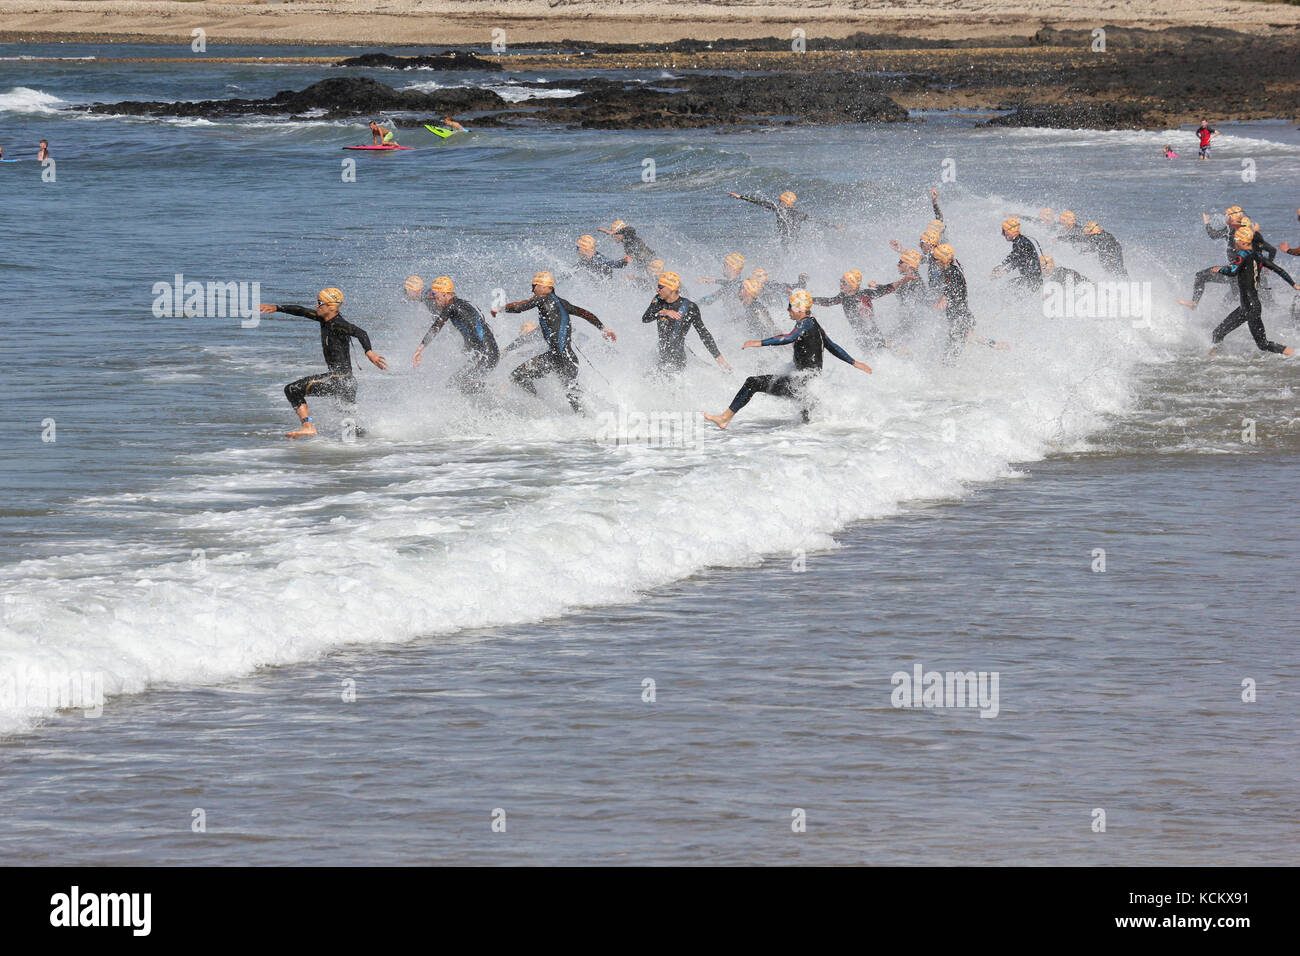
<point x="1077" y="116"/>
<point x="454" y="60"/>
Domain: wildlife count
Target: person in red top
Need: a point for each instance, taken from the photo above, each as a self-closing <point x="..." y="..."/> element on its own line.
<point x="1205" y="133"/>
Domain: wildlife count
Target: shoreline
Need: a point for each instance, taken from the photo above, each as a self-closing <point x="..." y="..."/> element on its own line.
<point x="466" y="22"/>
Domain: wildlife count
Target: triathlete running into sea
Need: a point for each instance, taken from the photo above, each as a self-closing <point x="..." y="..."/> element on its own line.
<point x="809" y="341"/>
<point x="446" y="307"/>
<point x="1246" y="265"/>
<point x="335" y="335"/>
<point x="674" y="316"/>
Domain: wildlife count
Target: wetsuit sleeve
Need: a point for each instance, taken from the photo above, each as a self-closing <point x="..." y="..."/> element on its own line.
<point x="1232" y="268"/>
<point x="614" y="263"/>
<point x="796" y="333"/>
<point x="711" y="297"/>
<point x="583" y="314"/>
<point x="652" y="310"/>
<point x="356" y="332"/>
<point x="1216" y="232"/>
<point x="759" y="202"/>
<point x="1270" y="264"/>
<point x="523" y="305"/>
<point x="1263" y="245"/>
<point x="835" y="350"/>
<point x="298" y="311"/>
<point x="440" y="319"/>
<point x="828" y="299"/>
<point x="697" y="320"/>
<point x="937" y="214"/>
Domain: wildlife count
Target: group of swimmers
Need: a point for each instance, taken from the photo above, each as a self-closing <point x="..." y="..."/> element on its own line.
<point x="929" y="277"/>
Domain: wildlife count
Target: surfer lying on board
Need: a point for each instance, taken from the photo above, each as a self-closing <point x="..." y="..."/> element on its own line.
<point x="383" y="136"/>
<point x="809" y="341"/>
<point x="334" y="334"/>
<point x="449" y="123"/>
<point x="481" y="344"/>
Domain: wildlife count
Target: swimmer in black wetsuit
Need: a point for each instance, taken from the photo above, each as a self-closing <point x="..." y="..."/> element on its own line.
<point x="789" y="221"/>
<point x="674" y="316"/>
<point x="955" y="305"/>
<point x="634" y="247"/>
<point x="1246" y="266"/>
<point x="446" y="307"/>
<point x="752" y="312"/>
<point x="593" y="263"/>
<point x="809" y="341"/>
<point x="730" y="281"/>
<point x="1234" y="219"/>
<point x="553" y="319"/>
<point x="335" y="332"/>
<point x="1054" y="273"/>
<point x="929" y="240"/>
<point x="911" y="289"/>
<point x="1023" y="258"/>
<point x="1070" y="227"/>
<point x="1107" y="247"/>
<point x="856" y="302"/>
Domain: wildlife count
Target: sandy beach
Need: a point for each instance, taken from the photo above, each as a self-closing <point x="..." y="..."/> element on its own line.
<point x="392" y="22"/>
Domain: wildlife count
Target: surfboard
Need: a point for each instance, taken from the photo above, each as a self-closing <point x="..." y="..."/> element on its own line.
<point x="442" y="131"/>
<point x="381" y="148"/>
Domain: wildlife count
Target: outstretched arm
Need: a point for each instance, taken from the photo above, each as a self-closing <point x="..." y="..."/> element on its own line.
<point x="591" y="317"/>
<point x="757" y="202"/>
<point x="934" y="201"/>
<point x="1270" y="264"/>
<point x="291" y="310"/>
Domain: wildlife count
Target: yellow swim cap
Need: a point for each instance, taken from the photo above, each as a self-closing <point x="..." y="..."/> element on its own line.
<point x="1091" y="229"/>
<point x="759" y="276"/>
<point x="1244" y="234"/>
<point x="911" y="257"/>
<point x="586" y="242"/>
<point x="414" y="284"/>
<point x="1045" y="214"/>
<point x="801" y="301"/>
<point x="1011" y="225"/>
<point x="670" y="281"/>
<point x="1232" y="211"/>
<point x="936" y="225"/>
<point x="752" y="286"/>
<point x="735" y="260"/>
<point x="655" y="266"/>
<point x="1047" y="262"/>
<point x="544" y="279"/>
<point x="1067" y="218"/>
<point x="944" y="253"/>
<point x="442" y="284"/>
<point x="853" y="277"/>
<point x="930" y="238"/>
<point x="788" y="198"/>
<point x="331" y="294"/>
<point x="616" y="225"/>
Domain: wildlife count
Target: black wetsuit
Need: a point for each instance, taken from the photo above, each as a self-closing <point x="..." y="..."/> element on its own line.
<point x="1023" y="258"/>
<point x="1246" y="267"/>
<point x="913" y="297"/>
<point x="672" y="332"/>
<point x="788" y="220"/>
<point x="597" y="266"/>
<point x="335" y="336"/>
<point x="725" y="286"/>
<point x="957" y="311"/>
<point x="860" y="313"/>
<point x="634" y="246"/>
<point x="559" y="358"/>
<point x="809" y="341"/>
<point x="756" y="317"/>
<point x="479" y="341"/>
<point x="1107" y="248"/>
<point x="1062" y="275"/>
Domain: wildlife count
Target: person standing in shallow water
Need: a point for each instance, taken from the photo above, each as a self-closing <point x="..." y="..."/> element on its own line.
<point x="1246" y="266"/>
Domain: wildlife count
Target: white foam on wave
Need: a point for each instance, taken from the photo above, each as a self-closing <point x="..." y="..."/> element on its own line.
<point x="23" y="99"/>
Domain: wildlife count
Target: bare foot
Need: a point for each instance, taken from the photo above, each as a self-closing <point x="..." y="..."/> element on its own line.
<point x="306" y="431"/>
<point x="1190" y="305"/>
<point x="1288" y="351"/>
<point x="720" y="420"/>
<point x="1214" y="352"/>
